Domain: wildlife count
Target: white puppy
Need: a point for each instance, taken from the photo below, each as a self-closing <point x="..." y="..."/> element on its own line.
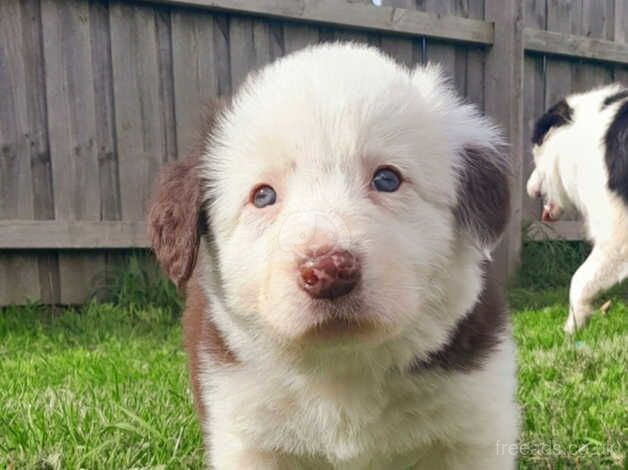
<point x="581" y="164"/>
<point x="332" y="233"/>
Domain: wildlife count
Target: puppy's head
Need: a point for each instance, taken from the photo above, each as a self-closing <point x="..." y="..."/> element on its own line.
<point x="344" y="195"/>
<point x="548" y="140"/>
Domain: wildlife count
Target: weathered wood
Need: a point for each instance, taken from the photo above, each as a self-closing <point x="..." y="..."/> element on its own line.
<point x="41" y="169"/>
<point x="221" y="49"/>
<point x="595" y="23"/>
<point x="195" y="79"/>
<point x="336" y="13"/>
<point x="241" y="49"/>
<point x="560" y="230"/>
<point x="80" y="234"/>
<point x="620" y="35"/>
<point x="534" y="104"/>
<point x="96" y="96"/>
<point x="140" y="124"/>
<point x="439" y="52"/>
<point x="406" y="51"/>
<point x="570" y="45"/>
<point x="504" y="95"/>
<point x="166" y="81"/>
<point x="111" y="207"/>
<point x="105" y="111"/>
<point x="72" y="132"/>
<point x="474" y="87"/>
<point x="562" y="17"/>
<point x="19" y="275"/>
<point x="298" y="36"/>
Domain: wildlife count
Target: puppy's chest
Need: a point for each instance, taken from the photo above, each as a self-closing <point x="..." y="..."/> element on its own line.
<point x="335" y="419"/>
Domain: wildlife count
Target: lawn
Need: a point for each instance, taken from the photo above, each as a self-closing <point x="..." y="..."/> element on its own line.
<point x="105" y="386"/>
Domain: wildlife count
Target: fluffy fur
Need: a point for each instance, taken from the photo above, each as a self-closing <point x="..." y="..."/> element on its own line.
<point x="581" y="165"/>
<point x="414" y="367"/>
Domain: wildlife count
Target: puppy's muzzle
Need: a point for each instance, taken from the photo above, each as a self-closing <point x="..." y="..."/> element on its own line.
<point x="328" y="273"/>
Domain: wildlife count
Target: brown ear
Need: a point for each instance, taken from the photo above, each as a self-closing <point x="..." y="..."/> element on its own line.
<point x="175" y="223"/>
<point x="483" y="207"/>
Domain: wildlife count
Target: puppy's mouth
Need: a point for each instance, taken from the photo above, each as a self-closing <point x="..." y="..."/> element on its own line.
<point x="339" y="318"/>
<point x="339" y="327"/>
<point x="550" y="212"/>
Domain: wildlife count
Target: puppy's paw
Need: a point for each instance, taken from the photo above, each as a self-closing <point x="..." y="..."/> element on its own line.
<point x="570" y="326"/>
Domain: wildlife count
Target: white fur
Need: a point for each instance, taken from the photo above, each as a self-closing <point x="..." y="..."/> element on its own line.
<point x="315" y="126"/>
<point x="570" y="172"/>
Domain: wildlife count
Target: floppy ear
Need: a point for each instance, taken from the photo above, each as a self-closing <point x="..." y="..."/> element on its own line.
<point x="483" y="200"/>
<point x="176" y="220"/>
<point x="175" y="223"/>
<point x="560" y="114"/>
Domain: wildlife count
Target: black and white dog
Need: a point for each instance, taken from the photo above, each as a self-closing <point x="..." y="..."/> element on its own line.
<point x="581" y="164"/>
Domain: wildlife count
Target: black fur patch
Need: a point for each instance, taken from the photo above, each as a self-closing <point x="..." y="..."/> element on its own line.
<point x="614" y="98"/>
<point x="616" y="140"/>
<point x="558" y="115"/>
<point x="483" y="207"/>
<point x="475" y="337"/>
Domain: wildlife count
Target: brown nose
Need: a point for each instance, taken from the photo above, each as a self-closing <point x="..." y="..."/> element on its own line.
<point x="328" y="274"/>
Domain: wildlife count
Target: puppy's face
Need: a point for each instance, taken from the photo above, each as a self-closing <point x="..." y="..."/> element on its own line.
<point x="544" y="182"/>
<point x="334" y="187"/>
<point x="548" y="141"/>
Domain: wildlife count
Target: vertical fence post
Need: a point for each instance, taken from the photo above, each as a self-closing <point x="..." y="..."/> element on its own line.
<point x="504" y="95"/>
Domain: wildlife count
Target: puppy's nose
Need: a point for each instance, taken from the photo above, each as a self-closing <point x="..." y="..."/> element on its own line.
<point x="327" y="273"/>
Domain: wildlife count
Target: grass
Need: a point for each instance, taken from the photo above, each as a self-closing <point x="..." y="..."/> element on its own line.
<point x="105" y="385"/>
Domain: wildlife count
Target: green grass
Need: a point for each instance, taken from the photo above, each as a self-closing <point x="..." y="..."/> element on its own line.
<point x="105" y="386"/>
<point x="101" y="387"/>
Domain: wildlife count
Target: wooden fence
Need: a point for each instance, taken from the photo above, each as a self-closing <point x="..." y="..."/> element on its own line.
<point x="96" y="95"/>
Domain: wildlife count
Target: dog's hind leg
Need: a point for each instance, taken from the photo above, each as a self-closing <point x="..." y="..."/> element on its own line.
<point x="603" y="268"/>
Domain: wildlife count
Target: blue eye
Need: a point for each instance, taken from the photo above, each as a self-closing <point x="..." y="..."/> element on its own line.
<point x="264" y="196"/>
<point x="386" y="180"/>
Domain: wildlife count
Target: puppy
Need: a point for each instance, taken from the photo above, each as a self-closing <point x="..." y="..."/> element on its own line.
<point x="332" y="234"/>
<point x="580" y="148"/>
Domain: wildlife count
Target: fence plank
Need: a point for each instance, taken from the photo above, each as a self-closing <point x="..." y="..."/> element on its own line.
<point x="351" y="15"/>
<point x="241" y="49"/>
<point x="80" y="234"/>
<point x="19" y="275"/>
<point x="407" y="51"/>
<point x="571" y="45"/>
<point x="140" y="126"/>
<point x="297" y="36"/>
<point x="111" y="206"/>
<point x="596" y="22"/>
<point x="221" y="46"/>
<point x="533" y="103"/>
<point x="620" y="35"/>
<point x="474" y="88"/>
<point x="104" y="109"/>
<point x="504" y="95"/>
<point x="195" y="79"/>
<point x="166" y="81"/>
<point x="438" y="52"/>
<point x="72" y="133"/>
<point x="41" y="165"/>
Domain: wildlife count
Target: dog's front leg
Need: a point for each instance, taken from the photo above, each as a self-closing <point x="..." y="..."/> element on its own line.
<point x="603" y="268"/>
